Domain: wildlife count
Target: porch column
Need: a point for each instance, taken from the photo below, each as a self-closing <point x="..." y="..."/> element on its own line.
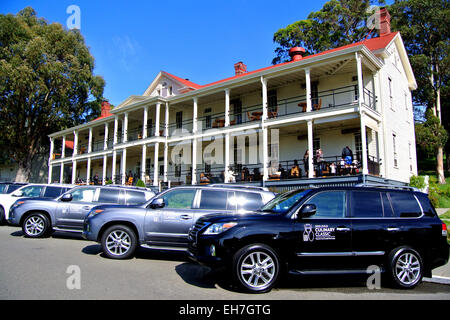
<point x="116" y="129"/>
<point x="113" y="170"/>
<point x="105" y="143"/>
<point x="88" y="171"/>
<point x="124" y="165"/>
<point x="125" y="127"/>
<point x="364" y="144"/>
<point x="90" y="141"/>
<point x="157" y="117"/>
<point x="63" y="148"/>
<point x="166" y="120"/>
<point x="381" y="150"/>
<point x="166" y="161"/>
<point x="61" y="173"/>
<point x="360" y="80"/>
<point x="143" y="161"/>
<point x="265" y="153"/>
<point x="52" y="147"/>
<point x="227" y="107"/>
<point x="310" y="150"/>
<point x="75" y="143"/>
<point x="194" y="142"/>
<point x="50" y="168"/>
<point x="155" y="166"/>
<point x="105" y="164"/>
<point x="195" y="116"/>
<point x="144" y="124"/>
<point x="308" y="89"/>
<point x="227" y="135"/>
<point x="74" y="171"/>
<point x="264" y="98"/>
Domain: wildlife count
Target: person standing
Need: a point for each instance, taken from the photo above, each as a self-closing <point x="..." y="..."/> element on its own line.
<point x="319" y="160"/>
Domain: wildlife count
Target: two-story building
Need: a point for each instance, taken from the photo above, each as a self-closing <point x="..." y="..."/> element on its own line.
<point x="283" y="125"/>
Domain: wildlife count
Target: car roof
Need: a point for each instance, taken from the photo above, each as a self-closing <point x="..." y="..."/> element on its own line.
<point x="230" y="188"/>
<point x="132" y="188"/>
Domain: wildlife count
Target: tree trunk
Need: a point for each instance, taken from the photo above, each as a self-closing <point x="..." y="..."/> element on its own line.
<point x="437" y="112"/>
<point x="23" y="172"/>
<point x="440" y="165"/>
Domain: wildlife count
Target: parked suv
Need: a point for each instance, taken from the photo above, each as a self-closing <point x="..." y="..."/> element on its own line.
<point x="326" y="231"/>
<point x="164" y="222"/>
<point x="8" y="187"/>
<point x="38" y="217"/>
<point x="29" y="191"/>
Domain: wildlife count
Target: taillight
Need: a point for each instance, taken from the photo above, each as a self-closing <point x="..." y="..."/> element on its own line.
<point x="444" y="229"/>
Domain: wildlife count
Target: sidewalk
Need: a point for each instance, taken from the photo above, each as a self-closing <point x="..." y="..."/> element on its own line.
<point x="441" y="210"/>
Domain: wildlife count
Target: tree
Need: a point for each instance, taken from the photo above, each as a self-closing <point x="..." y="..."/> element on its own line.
<point x="423" y="25"/>
<point x="46" y="84"/>
<point x="338" y="23"/>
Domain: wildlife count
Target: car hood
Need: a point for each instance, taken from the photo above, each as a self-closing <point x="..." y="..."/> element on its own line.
<point x="35" y="199"/>
<point x="247" y="216"/>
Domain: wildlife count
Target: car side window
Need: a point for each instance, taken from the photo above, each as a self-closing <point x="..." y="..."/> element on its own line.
<point x="426" y="205"/>
<point x="248" y="201"/>
<point x="83" y="195"/>
<point x="179" y="198"/>
<point x="109" y="195"/>
<point x="329" y="204"/>
<point x="52" y="192"/>
<point x="32" y="191"/>
<point x="213" y="200"/>
<point x="387" y="208"/>
<point x="135" y="197"/>
<point x="405" y="205"/>
<point x="366" y="204"/>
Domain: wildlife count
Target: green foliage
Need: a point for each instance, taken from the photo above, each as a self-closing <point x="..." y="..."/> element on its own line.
<point x="109" y="181"/>
<point x="417" y="182"/>
<point x="140" y="183"/>
<point x="338" y="23"/>
<point x="46" y="83"/>
<point x="430" y="135"/>
<point x="439" y="194"/>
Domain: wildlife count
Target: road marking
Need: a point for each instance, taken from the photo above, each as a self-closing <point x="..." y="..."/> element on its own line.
<point x="438" y="279"/>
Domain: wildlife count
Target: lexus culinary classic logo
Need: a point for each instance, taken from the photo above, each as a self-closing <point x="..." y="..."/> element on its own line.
<point x="308" y="234"/>
<point x="318" y="232"/>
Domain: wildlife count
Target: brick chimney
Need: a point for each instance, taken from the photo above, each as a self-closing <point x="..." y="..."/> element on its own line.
<point x="296" y="53"/>
<point x="106" y="109"/>
<point x="240" y="68"/>
<point x="385" y="22"/>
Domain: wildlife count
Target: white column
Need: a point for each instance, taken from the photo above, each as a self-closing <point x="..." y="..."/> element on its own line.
<point x="113" y="169"/>
<point x="105" y="144"/>
<point x="50" y="169"/>
<point x="61" y="173"/>
<point x="264" y="98"/>
<point x="166" y="120"/>
<point x="364" y="144"/>
<point x="144" y="124"/>
<point x="194" y="161"/>
<point x="63" y="148"/>
<point x="124" y="165"/>
<point x="143" y="161"/>
<point x="156" y="165"/>
<point x="360" y="80"/>
<point x="310" y="150"/>
<point x="308" y="89"/>
<point x="88" y="171"/>
<point x="116" y="129"/>
<point x="227" y="107"/>
<point x="90" y="141"/>
<point x="105" y="165"/>
<point x="166" y="161"/>
<point x="195" y="116"/>
<point x="157" y="117"/>
<point x="75" y="143"/>
<point x="125" y="127"/>
<point x="227" y="135"/>
<point x="74" y="171"/>
<point x="265" y="153"/>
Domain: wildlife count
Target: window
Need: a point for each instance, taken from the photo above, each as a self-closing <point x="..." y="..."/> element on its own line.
<point x="366" y="204"/>
<point x="329" y="204"/>
<point x="387" y="208"/>
<point x="32" y="191"/>
<point x="213" y="200"/>
<point x="248" y="201"/>
<point x="52" y="192"/>
<point x="405" y="205"/>
<point x="427" y="207"/>
<point x="179" y="119"/>
<point x="109" y="195"/>
<point x="170" y="90"/>
<point x="208" y="118"/>
<point x="179" y="199"/>
<point x="406" y="101"/>
<point x="83" y="195"/>
<point x="316" y="144"/>
<point x="394" y="148"/>
<point x="391" y="94"/>
<point x="272" y="100"/>
<point x="135" y="197"/>
<point x="410" y="157"/>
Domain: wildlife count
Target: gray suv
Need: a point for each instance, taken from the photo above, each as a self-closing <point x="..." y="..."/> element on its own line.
<point x="164" y="222"/>
<point x="39" y="217"/>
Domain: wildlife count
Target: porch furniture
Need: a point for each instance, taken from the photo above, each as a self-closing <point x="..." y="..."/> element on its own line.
<point x="257" y="115"/>
<point x="272" y="113"/>
<point x="251" y="117"/>
<point x="219" y="123"/>
<point x="318" y="105"/>
<point x="303" y="105"/>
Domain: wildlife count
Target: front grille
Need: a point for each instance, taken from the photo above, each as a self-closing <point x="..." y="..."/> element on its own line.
<point x="193" y="233"/>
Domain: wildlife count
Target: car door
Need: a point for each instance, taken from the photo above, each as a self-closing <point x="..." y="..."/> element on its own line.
<point x="71" y="214"/>
<point x="323" y="240"/>
<point x="214" y="201"/>
<point x="169" y="226"/>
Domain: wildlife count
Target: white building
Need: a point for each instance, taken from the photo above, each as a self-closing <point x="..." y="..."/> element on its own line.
<point x="357" y="95"/>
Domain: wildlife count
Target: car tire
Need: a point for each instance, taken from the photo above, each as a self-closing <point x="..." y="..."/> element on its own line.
<point x="119" y="242"/>
<point x="2" y="216"/>
<point x="405" y="267"/>
<point x="256" y="268"/>
<point x="36" y="225"/>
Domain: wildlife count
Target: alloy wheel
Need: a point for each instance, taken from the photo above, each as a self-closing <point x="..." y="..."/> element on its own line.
<point x="257" y="270"/>
<point x="408" y="268"/>
<point x="118" y="242"/>
<point x="34" y="226"/>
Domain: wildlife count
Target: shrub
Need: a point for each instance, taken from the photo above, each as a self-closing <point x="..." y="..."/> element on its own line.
<point x="109" y="181"/>
<point x="140" y="183"/>
<point x="417" y="182"/>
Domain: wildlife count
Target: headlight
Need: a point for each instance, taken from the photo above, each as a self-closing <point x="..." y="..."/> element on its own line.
<point x="217" y="228"/>
<point x="94" y="212"/>
<point x="17" y="204"/>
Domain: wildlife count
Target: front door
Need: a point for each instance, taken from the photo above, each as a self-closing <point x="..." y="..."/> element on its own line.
<point x="324" y="239"/>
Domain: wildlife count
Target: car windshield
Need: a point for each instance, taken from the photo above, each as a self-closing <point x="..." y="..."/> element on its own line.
<point x="284" y="202"/>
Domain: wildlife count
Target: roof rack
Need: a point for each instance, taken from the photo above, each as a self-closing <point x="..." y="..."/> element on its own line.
<point x="237" y="186"/>
<point x="390" y="186"/>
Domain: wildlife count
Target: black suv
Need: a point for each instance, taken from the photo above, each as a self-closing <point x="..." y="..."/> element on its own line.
<point x="326" y="231"/>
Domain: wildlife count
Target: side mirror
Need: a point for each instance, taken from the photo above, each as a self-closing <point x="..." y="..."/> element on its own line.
<point x="67" y="197"/>
<point x="157" y="203"/>
<point x="307" y="210"/>
<point x="17" y="193"/>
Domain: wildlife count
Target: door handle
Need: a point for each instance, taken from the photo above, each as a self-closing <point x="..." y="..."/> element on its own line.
<point x="343" y="229"/>
<point x="186" y="217"/>
<point x="393" y="229"/>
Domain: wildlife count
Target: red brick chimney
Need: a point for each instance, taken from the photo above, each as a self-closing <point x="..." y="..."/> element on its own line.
<point x="240" y="68"/>
<point x="385" y="22"/>
<point x="106" y="109"/>
<point x="296" y="53"/>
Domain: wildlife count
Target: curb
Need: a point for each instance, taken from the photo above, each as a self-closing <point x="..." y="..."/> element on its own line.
<point x="438" y="279"/>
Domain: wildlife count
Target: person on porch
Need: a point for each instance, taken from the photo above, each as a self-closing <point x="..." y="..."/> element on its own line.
<point x="295" y="170"/>
<point x="319" y="160"/>
<point x="306" y="162"/>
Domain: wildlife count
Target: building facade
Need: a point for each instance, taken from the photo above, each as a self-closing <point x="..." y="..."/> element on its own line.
<point x="258" y="126"/>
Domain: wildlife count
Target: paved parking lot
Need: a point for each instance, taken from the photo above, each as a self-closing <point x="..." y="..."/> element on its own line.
<point x="47" y="269"/>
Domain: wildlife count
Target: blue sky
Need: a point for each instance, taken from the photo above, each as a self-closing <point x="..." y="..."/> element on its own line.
<point x="200" y="40"/>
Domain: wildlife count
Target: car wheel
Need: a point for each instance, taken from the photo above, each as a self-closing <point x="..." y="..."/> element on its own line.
<point x="405" y="267"/>
<point x="36" y="225"/>
<point x="2" y="215"/>
<point x="256" y="268"/>
<point x="119" y="242"/>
